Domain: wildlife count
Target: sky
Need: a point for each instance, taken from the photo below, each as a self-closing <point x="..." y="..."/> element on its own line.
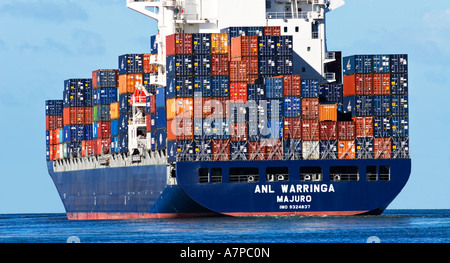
<point x="44" y="42"/>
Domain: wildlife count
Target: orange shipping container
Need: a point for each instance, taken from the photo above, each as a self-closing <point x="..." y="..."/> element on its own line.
<point x="219" y="43"/>
<point x="358" y="84"/>
<point x="128" y="83"/>
<point x="114" y="109"/>
<point x="346" y="150"/>
<point x="147" y="66"/>
<point x="180" y="108"/>
<point x="73" y="115"/>
<point x="244" y="46"/>
<point x="382" y="148"/>
<point x="87" y="148"/>
<point x="328" y="112"/>
<point x="180" y="129"/>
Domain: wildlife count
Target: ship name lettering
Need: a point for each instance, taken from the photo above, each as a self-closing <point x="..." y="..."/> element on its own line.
<point x="305" y="188"/>
<point x="264" y="189"/>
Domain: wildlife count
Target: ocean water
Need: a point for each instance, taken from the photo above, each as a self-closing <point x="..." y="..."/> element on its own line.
<point x="394" y="226"/>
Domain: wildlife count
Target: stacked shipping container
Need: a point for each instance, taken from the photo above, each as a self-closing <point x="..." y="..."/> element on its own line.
<point x="376" y="94"/>
<point x="232" y="96"/>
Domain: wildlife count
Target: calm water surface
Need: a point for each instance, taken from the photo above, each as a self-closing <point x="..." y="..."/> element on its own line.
<point x="394" y="226"/>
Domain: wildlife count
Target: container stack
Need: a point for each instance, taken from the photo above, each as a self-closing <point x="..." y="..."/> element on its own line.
<point x="106" y="111"/>
<point x="54" y="128"/>
<point x="376" y="95"/>
<point x="77" y="116"/>
<point x="232" y="96"/>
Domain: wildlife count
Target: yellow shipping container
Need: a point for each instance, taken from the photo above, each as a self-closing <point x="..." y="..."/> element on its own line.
<point x="114" y="109"/>
<point x="219" y="43"/>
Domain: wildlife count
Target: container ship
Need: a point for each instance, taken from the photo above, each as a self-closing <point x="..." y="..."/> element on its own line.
<point x="238" y="109"/>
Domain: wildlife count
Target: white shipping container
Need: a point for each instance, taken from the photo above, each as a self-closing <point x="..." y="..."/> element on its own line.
<point x="311" y="150"/>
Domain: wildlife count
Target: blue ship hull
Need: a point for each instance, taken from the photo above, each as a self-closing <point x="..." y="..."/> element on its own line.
<point x="143" y="192"/>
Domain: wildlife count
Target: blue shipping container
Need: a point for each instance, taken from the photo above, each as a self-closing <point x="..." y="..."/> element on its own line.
<point x="54" y="107"/>
<point x="130" y="63"/>
<point x="272" y="110"/>
<point x="123" y="124"/>
<point x="179" y="65"/>
<point x="148" y="105"/>
<point x="400" y="105"/>
<point x="399" y="84"/>
<point x="106" y="78"/>
<point x="331" y="93"/>
<point x="292" y="107"/>
<point x="161" y="118"/>
<point x="114" y="127"/>
<point x="381" y="64"/>
<point x="220" y="86"/>
<point x="364" y="148"/>
<point x="310" y="88"/>
<point x="267" y="46"/>
<point x="160" y="139"/>
<point x="292" y="149"/>
<point x="202" y="86"/>
<point x="382" y="105"/>
<point x="400" y="148"/>
<point x="151" y="89"/>
<point x="179" y="87"/>
<point x="274" y="129"/>
<point x="124" y="103"/>
<point x="160" y="97"/>
<point x="123" y="143"/>
<point x="382" y="127"/>
<point x="256" y="92"/>
<point x="202" y="65"/>
<point x="115" y="144"/>
<point x="201" y="43"/>
<point x="238" y="151"/>
<point x="399" y="63"/>
<point x="153" y="45"/>
<point x="285" y="65"/>
<point x="400" y="126"/>
<point x="203" y="150"/>
<point x="267" y="66"/>
<point x="329" y="149"/>
<point x="88" y="132"/>
<point x="284" y="46"/>
<point x="358" y="106"/>
<point x="357" y="64"/>
<point x="274" y="87"/>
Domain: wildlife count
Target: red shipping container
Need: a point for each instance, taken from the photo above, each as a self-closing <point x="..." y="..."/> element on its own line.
<point x="87" y="148"/>
<point x="148" y="122"/>
<point x="219" y="65"/>
<point x="382" y="148"/>
<point x="53" y="122"/>
<point x="244" y="46"/>
<point x="358" y="84"/>
<point x="292" y="85"/>
<point x="179" y="44"/>
<point x="104" y="129"/>
<point x="251" y="79"/>
<point x="364" y="127"/>
<point x="215" y="107"/>
<point x="251" y="62"/>
<point x="292" y="128"/>
<point x="256" y="151"/>
<point x="102" y="146"/>
<point x="346" y="150"/>
<point x="346" y="130"/>
<point x="328" y="130"/>
<point x="310" y="108"/>
<point x="381" y="84"/>
<point x="147" y="66"/>
<point x="238" y="92"/>
<point x="88" y="115"/>
<point x="239" y="132"/>
<point x="274" y="149"/>
<point x="74" y="116"/>
<point x="272" y="31"/>
<point x="238" y="71"/>
<point x="221" y="150"/>
<point x="310" y="130"/>
<point x="152" y="103"/>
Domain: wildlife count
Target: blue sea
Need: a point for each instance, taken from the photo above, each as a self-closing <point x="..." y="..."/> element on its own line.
<point x="394" y="226"/>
